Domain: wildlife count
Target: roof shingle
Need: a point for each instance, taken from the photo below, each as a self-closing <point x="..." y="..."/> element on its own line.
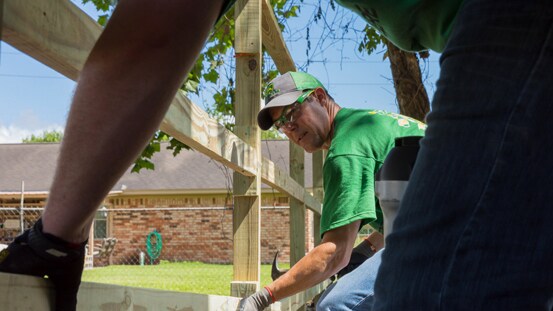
<point x="190" y="170"/>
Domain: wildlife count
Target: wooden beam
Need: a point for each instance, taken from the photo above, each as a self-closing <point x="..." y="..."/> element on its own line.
<point x="318" y="161"/>
<point x="64" y="42"/>
<point x="189" y="124"/>
<point x="279" y="179"/>
<point x="54" y="32"/>
<point x="247" y="189"/>
<point x="243" y="288"/>
<point x="297" y="208"/>
<point x="22" y="292"/>
<point x="273" y="40"/>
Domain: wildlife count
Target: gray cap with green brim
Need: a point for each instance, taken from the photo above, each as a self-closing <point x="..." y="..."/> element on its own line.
<point x="284" y="90"/>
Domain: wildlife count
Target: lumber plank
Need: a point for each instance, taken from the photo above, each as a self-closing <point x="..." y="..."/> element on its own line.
<point x="274" y="42"/>
<point x="191" y="125"/>
<point x="22" y="292"/>
<point x="54" y="32"/>
<point x="279" y="179"/>
<point x="318" y="192"/>
<point x="60" y="35"/>
<point x="297" y="208"/>
<point x="247" y="190"/>
<point x="243" y="288"/>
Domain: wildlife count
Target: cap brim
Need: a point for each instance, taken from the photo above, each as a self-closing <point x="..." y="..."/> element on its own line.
<point x="264" y="119"/>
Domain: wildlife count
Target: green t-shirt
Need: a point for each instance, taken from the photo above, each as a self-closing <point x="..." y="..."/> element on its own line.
<point x="362" y="140"/>
<point x="412" y="25"/>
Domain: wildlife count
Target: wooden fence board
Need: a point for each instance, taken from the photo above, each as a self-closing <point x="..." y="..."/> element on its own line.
<point x="60" y="35"/>
<point x="22" y="292"/>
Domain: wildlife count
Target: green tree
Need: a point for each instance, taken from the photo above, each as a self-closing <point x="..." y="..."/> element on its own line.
<point x="46" y="137"/>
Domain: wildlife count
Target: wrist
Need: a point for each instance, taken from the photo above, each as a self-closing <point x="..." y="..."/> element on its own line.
<point x="271" y="295"/>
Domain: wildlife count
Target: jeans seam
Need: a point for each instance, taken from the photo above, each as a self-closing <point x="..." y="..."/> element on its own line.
<point x="361" y="301"/>
<point x="508" y="124"/>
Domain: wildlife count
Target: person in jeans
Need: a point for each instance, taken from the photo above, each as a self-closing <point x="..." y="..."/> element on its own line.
<point x="474" y="228"/>
<point x="357" y="143"/>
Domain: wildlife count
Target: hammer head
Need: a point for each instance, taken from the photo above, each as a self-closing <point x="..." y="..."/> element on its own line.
<point x="275" y="272"/>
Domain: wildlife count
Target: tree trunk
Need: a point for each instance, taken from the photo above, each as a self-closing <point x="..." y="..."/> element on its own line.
<point x="410" y="92"/>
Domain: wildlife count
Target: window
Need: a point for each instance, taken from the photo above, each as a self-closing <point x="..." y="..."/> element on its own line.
<point x="101" y="223"/>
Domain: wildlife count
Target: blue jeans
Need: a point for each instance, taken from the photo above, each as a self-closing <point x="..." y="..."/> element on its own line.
<point x="354" y="291"/>
<point x="475" y="227"/>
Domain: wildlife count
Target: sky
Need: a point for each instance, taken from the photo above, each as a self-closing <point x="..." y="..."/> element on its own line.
<point x="35" y="98"/>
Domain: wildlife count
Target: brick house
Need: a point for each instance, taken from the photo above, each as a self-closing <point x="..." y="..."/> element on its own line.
<point x="187" y="199"/>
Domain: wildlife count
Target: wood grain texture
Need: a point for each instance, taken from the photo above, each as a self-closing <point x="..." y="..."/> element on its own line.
<point x="274" y="42"/>
<point x="54" y="32"/>
<point x="318" y="193"/>
<point x="64" y="42"/>
<point x="22" y="292"/>
<point x="247" y="189"/>
<point x="297" y="208"/>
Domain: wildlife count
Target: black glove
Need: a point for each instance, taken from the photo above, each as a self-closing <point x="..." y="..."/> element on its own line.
<point x="256" y="302"/>
<point x="37" y="253"/>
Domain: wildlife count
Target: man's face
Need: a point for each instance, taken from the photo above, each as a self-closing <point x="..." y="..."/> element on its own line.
<point x="310" y="123"/>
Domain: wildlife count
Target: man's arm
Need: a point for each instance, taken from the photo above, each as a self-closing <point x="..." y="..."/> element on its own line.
<point x="319" y="264"/>
<point x="123" y="93"/>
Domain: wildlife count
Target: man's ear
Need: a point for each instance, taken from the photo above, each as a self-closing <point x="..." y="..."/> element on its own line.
<point x="321" y="96"/>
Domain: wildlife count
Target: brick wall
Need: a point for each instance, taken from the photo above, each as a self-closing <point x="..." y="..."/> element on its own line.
<point x="193" y="228"/>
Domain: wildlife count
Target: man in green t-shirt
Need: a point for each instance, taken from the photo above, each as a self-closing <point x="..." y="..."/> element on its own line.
<point x="357" y="142"/>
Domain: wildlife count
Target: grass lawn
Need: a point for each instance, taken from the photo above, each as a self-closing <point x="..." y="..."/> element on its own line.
<point x="193" y="277"/>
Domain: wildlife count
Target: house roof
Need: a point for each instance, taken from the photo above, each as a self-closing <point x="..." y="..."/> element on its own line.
<point x="189" y="171"/>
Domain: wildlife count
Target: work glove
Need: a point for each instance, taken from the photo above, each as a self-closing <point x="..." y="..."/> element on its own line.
<point x="40" y="254"/>
<point x="256" y="302"/>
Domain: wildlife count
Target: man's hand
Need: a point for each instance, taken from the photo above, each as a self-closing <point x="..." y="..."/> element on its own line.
<point x="256" y="302"/>
<point x="39" y="254"/>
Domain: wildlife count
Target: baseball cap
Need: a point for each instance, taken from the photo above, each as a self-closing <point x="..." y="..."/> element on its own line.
<point x="284" y="90"/>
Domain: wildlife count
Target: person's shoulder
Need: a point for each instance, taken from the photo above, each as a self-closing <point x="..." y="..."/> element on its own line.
<point x="348" y="113"/>
<point x="365" y="117"/>
<point x="396" y="119"/>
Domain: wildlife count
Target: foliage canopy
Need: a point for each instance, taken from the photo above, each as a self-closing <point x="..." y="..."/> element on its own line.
<point x="46" y="137"/>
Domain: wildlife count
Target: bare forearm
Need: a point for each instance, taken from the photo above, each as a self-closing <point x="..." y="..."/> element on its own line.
<point x="123" y="93"/>
<point x="318" y="265"/>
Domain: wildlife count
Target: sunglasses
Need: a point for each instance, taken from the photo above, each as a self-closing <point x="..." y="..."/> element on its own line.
<point x="290" y="113"/>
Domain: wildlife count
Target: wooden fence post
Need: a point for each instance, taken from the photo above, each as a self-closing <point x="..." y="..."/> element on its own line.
<point x="247" y="189"/>
<point x="297" y="208"/>
<point x="318" y="160"/>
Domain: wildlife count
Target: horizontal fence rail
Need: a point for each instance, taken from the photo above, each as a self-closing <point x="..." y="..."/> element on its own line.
<point x="195" y="247"/>
<point x="63" y="43"/>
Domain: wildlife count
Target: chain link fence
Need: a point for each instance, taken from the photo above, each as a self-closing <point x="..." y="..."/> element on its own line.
<point x="173" y="248"/>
